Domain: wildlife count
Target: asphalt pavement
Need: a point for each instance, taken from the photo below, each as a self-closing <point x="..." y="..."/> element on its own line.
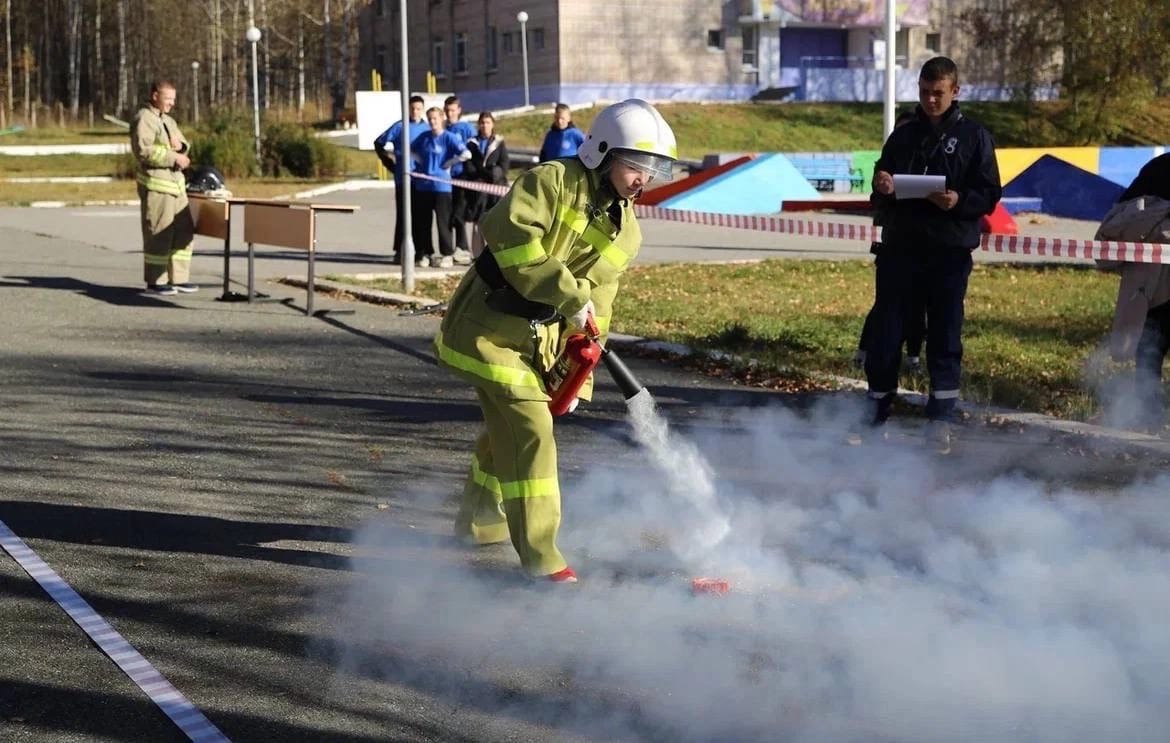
<point x="259" y="502"/>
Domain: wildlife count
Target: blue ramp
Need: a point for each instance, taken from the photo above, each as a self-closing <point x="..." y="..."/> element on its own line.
<point x="1067" y="191"/>
<point x="756" y="187"/>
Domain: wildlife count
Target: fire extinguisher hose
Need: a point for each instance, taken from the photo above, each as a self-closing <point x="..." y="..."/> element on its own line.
<point x="625" y="379"/>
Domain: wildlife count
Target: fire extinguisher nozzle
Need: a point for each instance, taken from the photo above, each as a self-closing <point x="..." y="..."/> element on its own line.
<point x="625" y="379"/>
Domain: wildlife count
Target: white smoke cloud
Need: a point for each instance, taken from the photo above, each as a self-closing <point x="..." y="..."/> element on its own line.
<point x="872" y="600"/>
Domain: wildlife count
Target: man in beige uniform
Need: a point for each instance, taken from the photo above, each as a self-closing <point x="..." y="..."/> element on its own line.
<point x="167" y="229"/>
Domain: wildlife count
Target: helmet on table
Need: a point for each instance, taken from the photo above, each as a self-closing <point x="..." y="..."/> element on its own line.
<point x="205" y="179"/>
<point x="634" y="133"/>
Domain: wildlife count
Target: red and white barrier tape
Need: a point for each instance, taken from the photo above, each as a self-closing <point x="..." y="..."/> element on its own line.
<point x="1053" y="247"/>
<point x="170" y="700"/>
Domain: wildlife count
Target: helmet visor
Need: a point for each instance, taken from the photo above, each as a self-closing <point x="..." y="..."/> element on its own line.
<point x="653" y="166"/>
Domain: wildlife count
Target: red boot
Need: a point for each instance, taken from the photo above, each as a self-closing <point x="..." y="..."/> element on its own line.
<point x="563" y="576"/>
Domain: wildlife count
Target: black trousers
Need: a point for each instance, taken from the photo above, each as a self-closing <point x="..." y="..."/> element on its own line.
<point x="1151" y="351"/>
<point x="399" y="218"/>
<point x="459" y="199"/>
<point x="427" y="209"/>
<point x="937" y="279"/>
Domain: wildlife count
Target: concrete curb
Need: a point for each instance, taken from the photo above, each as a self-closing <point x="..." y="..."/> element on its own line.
<point x="1144" y="442"/>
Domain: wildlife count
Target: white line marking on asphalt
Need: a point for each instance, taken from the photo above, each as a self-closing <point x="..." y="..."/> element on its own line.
<point x="169" y="699"/>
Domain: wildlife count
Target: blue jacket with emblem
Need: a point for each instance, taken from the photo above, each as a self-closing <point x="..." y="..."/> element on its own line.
<point x="960" y="149"/>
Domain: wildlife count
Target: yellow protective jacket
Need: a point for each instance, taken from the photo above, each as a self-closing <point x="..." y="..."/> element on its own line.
<point x="150" y="141"/>
<point x="556" y="244"/>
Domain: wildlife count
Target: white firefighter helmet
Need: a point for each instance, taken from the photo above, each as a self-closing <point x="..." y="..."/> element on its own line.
<point x="635" y="133"/>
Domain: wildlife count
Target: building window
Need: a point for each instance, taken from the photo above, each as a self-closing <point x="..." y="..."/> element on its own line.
<point x="510" y="45"/>
<point x="491" y="49"/>
<point x="460" y="54"/>
<point x="438" y="52"/>
<point x="537" y="39"/>
<point x="934" y="43"/>
<point x="749" y="46"/>
<point x="714" y="38"/>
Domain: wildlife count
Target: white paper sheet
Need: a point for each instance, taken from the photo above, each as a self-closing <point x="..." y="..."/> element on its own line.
<point x="918" y="186"/>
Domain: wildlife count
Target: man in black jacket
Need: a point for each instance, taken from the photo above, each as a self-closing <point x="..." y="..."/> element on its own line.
<point x="927" y="243"/>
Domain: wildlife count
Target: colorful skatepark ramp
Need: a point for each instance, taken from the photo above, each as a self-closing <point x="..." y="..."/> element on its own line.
<point x="757" y="186"/>
<point x="1066" y="190"/>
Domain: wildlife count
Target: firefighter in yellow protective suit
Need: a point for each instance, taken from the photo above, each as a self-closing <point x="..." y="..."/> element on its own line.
<point x="555" y="248"/>
<point x="160" y="150"/>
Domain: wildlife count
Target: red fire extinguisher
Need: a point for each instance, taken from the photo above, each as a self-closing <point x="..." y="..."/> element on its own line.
<point x="572" y="368"/>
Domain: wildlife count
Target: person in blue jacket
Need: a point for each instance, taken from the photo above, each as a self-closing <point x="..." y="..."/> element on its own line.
<point x="386" y="146"/>
<point x="434" y="152"/>
<point x="563" y="138"/>
<point x="927" y="244"/>
<point x="459" y="196"/>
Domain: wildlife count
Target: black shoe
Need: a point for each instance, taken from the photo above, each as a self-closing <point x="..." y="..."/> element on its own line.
<point x="395" y="260"/>
<point x="186" y="288"/>
<point x="162" y="290"/>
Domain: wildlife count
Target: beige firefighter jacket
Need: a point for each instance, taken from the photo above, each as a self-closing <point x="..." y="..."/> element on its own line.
<point x="555" y="244"/>
<point x="1143" y="285"/>
<point x="150" y="141"/>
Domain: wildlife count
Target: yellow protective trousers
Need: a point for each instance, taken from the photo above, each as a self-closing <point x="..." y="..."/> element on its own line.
<point x="167" y="233"/>
<point x="512" y="489"/>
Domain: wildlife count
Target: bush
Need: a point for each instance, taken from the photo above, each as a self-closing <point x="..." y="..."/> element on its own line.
<point x="226" y="143"/>
<point x="292" y="149"/>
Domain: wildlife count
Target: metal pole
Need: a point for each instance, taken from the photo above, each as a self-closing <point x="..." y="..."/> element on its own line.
<point x="255" y="100"/>
<point x="404" y="159"/>
<point x="253" y="36"/>
<point x="195" y="91"/>
<point x="891" y="46"/>
<point x="523" y="17"/>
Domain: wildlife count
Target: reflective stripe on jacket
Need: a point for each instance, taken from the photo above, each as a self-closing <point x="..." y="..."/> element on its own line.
<point x="150" y="141"/>
<point x="556" y="244"/>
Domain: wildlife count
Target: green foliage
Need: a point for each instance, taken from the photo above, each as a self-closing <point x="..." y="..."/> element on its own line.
<point x="226" y="143"/>
<point x="292" y="149"/>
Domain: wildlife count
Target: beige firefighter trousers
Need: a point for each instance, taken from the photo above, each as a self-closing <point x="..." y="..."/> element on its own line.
<point x="167" y="233"/>
<point x="513" y="490"/>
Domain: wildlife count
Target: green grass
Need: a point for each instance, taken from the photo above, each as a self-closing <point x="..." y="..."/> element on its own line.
<point x="811" y="127"/>
<point x="1031" y="337"/>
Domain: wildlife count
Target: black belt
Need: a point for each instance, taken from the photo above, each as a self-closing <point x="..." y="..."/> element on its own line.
<point x="502" y="297"/>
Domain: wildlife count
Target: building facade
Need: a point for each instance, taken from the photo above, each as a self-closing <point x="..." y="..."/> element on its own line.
<point x="580" y="51"/>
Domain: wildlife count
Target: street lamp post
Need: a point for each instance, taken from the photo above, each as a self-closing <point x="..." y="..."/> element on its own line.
<point x="195" y="87"/>
<point x="253" y="36"/>
<point x="522" y="16"/>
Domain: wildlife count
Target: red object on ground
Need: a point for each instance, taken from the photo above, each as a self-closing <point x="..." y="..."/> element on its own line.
<point x="999" y="222"/>
<point x="717" y="586"/>
<point x="655" y="196"/>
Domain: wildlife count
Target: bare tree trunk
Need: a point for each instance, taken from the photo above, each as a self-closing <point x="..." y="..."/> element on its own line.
<point x="8" y="49"/>
<point x="264" y="68"/>
<point x="234" y="46"/>
<point x="46" y="67"/>
<point x="122" y="57"/>
<point x="27" y="58"/>
<point x="73" y="35"/>
<point x="300" y="68"/>
<point x="98" y="75"/>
